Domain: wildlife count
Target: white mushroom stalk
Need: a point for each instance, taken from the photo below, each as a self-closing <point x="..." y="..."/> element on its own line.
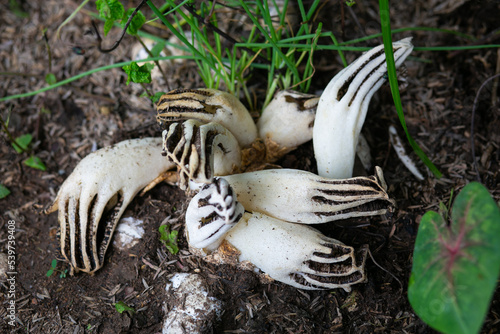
<point x="201" y="151"/>
<point x="343" y="106"/>
<point x="207" y="105"/>
<point x="105" y="179"/>
<point x="306" y="198"/>
<point x="294" y="254"/>
<point x="287" y="121"/>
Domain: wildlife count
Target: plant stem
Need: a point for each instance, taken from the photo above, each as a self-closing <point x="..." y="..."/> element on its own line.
<point x="157" y="63"/>
<point x="11" y="138"/>
<point x="393" y="81"/>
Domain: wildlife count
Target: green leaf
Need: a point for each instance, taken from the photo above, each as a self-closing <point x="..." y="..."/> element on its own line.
<point x="4" y="191"/>
<point x="50" y="78"/>
<point x="53" y="266"/>
<point x="157" y="96"/>
<point x="35" y="162"/>
<point x="137" y="21"/>
<point x="138" y="74"/>
<point x="157" y="48"/>
<point x="122" y="307"/>
<point x="63" y="274"/>
<point x="22" y="141"/>
<point x="456" y="266"/>
<point x="17" y="9"/>
<point x="110" y="11"/>
<point x="169" y="239"/>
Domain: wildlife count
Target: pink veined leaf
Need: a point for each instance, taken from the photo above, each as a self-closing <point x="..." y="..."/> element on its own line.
<point x="456" y="265"/>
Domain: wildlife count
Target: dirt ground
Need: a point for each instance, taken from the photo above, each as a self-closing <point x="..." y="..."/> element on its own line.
<point x="99" y="110"/>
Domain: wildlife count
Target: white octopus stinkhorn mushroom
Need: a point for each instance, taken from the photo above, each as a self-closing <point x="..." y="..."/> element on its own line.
<point x="306" y="198"/>
<point x="201" y="151"/>
<point x="287" y="121"/>
<point x="294" y="254"/>
<point x="208" y="105"/>
<point x="207" y="131"/>
<point x="107" y="178"/>
<point x="343" y="106"/>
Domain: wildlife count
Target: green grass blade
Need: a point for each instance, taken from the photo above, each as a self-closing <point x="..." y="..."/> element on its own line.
<point x="276" y="49"/>
<point x="84" y="74"/>
<point x="405" y="29"/>
<point x="391" y="70"/>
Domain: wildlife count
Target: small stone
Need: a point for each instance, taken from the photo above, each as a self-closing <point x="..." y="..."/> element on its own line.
<point x="128" y="233"/>
<point x="193" y="310"/>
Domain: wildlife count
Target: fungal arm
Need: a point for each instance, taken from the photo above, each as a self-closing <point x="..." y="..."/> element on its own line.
<point x="343" y="106"/>
<point x="93" y="198"/>
<point x="201" y="151"/>
<point x="287" y="121"/>
<point x="297" y="255"/>
<point x="306" y="198"/>
<point x="207" y="105"/>
<point x="211" y="214"/>
<point x="294" y="254"/>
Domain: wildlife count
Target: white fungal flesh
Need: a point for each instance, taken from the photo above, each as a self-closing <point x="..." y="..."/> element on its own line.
<point x="201" y="151"/>
<point x="303" y="197"/>
<point x="291" y="253"/>
<point x="109" y="176"/>
<point x="208" y="105"/>
<point x="288" y="119"/>
<point x="401" y="152"/>
<point x="343" y="106"/>
<point x="296" y="254"/>
<point x="211" y="213"/>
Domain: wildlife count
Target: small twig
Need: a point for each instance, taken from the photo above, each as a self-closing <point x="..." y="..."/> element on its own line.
<point x="473" y="151"/>
<point x="387" y="271"/>
<point x="114" y="46"/>
<point x="494" y="89"/>
<point x="209" y="16"/>
<point x="355" y="18"/>
<point x="146" y="89"/>
<point x="46" y="40"/>
<point x="155" y="61"/>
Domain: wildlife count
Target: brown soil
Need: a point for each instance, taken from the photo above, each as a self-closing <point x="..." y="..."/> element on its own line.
<point x="100" y="109"/>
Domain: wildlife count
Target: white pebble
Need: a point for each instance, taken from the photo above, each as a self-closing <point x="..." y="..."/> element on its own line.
<point x="194" y="311"/>
<point x="128" y="233"/>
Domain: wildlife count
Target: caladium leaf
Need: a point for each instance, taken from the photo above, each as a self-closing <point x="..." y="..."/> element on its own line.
<point x="456" y="265"/>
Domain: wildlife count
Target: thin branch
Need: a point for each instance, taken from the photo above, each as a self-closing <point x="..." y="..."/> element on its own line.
<point x="114" y="46"/>
<point x="387" y="271"/>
